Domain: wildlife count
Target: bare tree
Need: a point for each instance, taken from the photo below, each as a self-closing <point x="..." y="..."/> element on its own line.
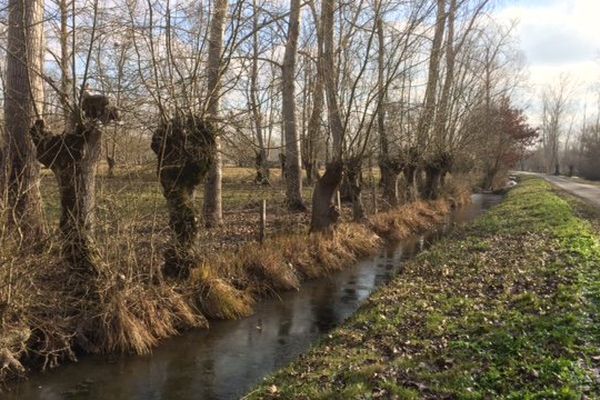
<point x="314" y="122"/>
<point x="213" y="209"/>
<point x="555" y="101"/>
<point x="427" y="114"/>
<point x="389" y="167"/>
<point x="293" y="165"/>
<point x="23" y="103"/>
<point x="262" y="168"/>
<point x="65" y="57"/>
<point x="324" y="213"/>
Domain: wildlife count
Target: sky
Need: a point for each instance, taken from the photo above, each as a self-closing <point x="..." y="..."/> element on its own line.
<point x="558" y="37"/>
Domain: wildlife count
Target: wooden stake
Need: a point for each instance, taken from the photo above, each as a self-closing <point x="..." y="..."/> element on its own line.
<point x="263" y="221"/>
<point x="374" y="186"/>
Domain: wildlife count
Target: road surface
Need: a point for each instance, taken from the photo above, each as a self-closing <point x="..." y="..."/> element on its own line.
<point x="586" y="191"/>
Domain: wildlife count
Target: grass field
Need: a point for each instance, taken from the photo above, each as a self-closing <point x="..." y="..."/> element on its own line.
<point x="508" y="308"/>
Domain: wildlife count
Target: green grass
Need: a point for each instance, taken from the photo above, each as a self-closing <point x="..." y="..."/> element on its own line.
<point x="134" y="195"/>
<point x="507" y="308"/>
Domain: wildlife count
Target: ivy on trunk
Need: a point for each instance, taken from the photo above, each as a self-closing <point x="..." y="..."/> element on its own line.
<point x="185" y="147"/>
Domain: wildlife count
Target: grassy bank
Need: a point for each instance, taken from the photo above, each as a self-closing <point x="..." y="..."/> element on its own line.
<point x="507" y="308"/>
<point x="44" y="322"/>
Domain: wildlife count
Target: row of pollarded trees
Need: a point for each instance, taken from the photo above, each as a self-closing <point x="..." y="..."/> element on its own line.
<point x="397" y="81"/>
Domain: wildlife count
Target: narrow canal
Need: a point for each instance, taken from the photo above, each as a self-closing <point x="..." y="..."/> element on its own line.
<point x="227" y="360"/>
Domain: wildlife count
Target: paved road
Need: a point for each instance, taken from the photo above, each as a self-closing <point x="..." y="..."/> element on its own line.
<point x="587" y="192"/>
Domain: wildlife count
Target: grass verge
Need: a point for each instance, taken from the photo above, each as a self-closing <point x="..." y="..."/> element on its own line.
<point x="507" y="308"/>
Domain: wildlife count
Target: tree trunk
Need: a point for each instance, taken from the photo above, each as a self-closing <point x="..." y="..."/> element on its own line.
<point x="293" y="165"/>
<point x="262" y="168"/>
<point x="354" y="179"/>
<point x="65" y="77"/>
<point x="23" y="103"/>
<point x="488" y="179"/>
<point x="433" y="179"/>
<point x="441" y="116"/>
<point x="312" y="171"/>
<point x="410" y="175"/>
<point x="435" y="170"/>
<point x="389" y="170"/>
<point x="110" y="161"/>
<point x="314" y="123"/>
<point x="73" y="157"/>
<point x="213" y="208"/>
<point x="185" y="147"/>
<point x="324" y="214"/>
<point x="443" y="178"/>
<point x="427" y="115"/>
<point x="389" y="181"/>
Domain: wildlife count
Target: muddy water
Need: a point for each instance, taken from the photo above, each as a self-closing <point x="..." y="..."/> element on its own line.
<point x="225" y="361"/>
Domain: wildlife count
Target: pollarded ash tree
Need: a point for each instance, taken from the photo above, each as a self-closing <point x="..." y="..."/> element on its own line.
<point x="254" y="100"/>
<point x="186" y="140"/>
<point x="185" y="147"/>
<point x="73" y="158"/>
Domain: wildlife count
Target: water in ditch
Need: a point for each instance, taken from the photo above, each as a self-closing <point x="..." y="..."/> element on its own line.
<point x="227" y="360"/>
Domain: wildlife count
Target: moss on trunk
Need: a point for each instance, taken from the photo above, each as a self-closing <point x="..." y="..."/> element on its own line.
<point x="185" y="147"/>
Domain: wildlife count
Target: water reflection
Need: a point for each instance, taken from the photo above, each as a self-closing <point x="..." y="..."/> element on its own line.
<point x="228" y="359"/>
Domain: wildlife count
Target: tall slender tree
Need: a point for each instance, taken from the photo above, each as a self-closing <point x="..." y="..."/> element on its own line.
<point x="389" y="167"/>
<point x="262" y="167"/>
<point x="324" y="213"/>
<point x="23" y="103"/>
<point x="293" y="162"/>
<point x="213" y="209"/>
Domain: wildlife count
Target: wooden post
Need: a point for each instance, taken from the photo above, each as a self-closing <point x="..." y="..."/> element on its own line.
<point x="339" y="201"/>
<point x="373" y="184"/>
<point x="374" y="188"/>
<point x="263" y="221"/>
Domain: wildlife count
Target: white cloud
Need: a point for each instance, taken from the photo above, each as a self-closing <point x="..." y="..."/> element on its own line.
<point x="558" y="37"/>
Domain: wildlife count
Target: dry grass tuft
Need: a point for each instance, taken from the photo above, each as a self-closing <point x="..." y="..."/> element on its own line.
<point x="298" y="250"/>
<point x="217" y="298"/>
<point x="409" y="219"/>
<point x="358" y="240"/>
<point x="267" y="268"/>
<point x="135" y="319"/>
